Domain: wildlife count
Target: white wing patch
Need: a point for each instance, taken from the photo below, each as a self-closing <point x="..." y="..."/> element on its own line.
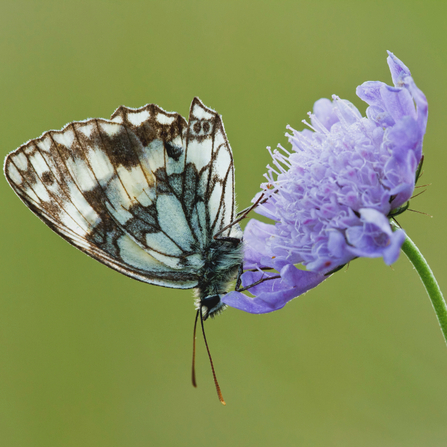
<point x="100" y="165"/>
<point x="86" y="129"/>
<point x="162" y="118"/>
<point x="157" y="158"/>
<point x="14" y="175"/>
<point x="111" y="129"/>
<point x="44" y="145"/>
<point x="20" y="161"/>
<point x="65" y="138"/>
<point x="199" y="154"/>
<point x="201" y="112"/>
<point x="81" y="172"/>
<point x="139" y="117"/>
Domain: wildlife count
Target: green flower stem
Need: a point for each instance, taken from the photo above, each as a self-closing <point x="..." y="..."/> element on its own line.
<point x="428" y="279"/>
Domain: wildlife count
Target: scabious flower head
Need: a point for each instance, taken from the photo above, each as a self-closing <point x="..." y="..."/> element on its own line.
<point x="332" y="195"/>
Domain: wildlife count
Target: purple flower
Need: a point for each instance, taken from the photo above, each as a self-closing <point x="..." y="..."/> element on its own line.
<point x="331" y="197"/>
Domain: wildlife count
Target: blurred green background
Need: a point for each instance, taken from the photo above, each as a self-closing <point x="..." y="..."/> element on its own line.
<point x="89" y="357"/>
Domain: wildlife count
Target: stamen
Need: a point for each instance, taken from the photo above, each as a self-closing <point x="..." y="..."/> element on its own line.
<point x="272" y="170"/>
<point x="309" y="125"/>
<point x="319" y="126"/>
<point x="284" y="150"/>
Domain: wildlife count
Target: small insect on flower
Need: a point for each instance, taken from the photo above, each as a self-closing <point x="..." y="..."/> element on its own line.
<point x="145" y="193"/>
<point x="335" y="191"/>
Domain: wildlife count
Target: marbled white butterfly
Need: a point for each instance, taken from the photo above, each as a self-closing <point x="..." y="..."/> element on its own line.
<point x="145" y="193"/>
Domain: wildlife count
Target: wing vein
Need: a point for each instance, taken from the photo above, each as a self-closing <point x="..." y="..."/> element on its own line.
<point x="140" y="164"/>
<point x="224" y="183"/>
<point x="49" y="192"/>
<point x="148" y="246"/>
<point x="113" y="164"/>
<point x="74" y="182"/>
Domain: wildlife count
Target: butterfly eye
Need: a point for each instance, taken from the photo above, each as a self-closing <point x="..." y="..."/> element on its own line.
<point x="211" y="301"/>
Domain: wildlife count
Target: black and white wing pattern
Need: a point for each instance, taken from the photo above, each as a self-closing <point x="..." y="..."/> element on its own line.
<point x="143" y="192"/>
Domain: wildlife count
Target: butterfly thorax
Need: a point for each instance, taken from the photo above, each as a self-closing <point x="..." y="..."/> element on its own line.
<point x="222" y="260"/>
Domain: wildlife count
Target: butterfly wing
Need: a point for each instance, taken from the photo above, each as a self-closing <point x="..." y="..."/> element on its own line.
<point x="98" y="184"/>
<point x="208" y="175"/>
<point x="144" y="192"/>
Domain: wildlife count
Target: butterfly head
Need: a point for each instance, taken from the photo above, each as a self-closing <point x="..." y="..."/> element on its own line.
<point x="211" y="305"/>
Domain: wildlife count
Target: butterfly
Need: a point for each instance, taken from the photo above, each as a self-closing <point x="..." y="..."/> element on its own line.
<point x="145" y="193"/>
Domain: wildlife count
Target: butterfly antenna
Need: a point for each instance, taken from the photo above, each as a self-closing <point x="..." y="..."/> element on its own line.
<point x="194" y="383"/>
<point x="219" y="393"/>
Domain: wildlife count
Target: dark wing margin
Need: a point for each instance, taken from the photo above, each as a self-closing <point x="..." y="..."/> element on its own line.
<point x="95" y="184"/>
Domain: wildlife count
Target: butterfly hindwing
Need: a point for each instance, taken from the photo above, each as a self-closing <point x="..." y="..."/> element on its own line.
<point x="144" y="192"/>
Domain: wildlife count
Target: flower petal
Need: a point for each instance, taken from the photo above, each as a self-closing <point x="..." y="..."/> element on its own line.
<point x="402" y="77"/>
<point x="276" y="293"/>
<point x="392" y="252"/>
<point x="375" y="238"/>
<point x="398" y="102"/>
<point x="399" y="71"/>
<point x="370" y="215"/>
<point x="256" y="234"/>
<point x="324" y="112"/>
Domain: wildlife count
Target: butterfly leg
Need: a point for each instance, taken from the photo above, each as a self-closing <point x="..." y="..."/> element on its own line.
<point x="233" y="240"/>
<point x="241" y="215"/>
<point x="242" y="289"/>
<point x="239" y="277"/>
<point x="238" y="287"/>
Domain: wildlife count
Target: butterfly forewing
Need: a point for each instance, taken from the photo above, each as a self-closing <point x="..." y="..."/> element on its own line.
<point x="209" y="161"/>
<point x="144" y="192"/>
